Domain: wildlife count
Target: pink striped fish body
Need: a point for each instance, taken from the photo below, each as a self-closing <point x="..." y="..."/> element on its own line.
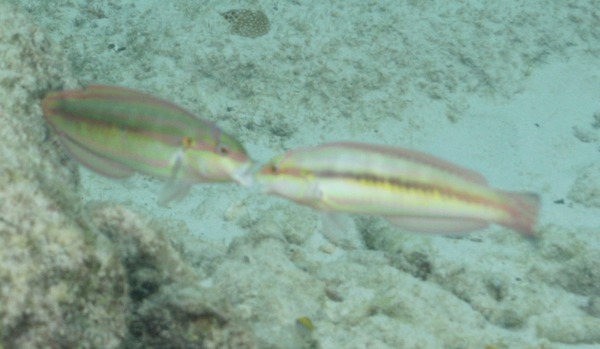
<point x="410" y="189"/>
<point x="117" y="131"/>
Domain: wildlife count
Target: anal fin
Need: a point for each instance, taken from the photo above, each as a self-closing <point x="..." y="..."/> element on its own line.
<point x="437" y="225"/>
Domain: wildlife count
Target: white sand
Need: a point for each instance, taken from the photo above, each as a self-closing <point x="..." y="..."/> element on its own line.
<point x="508" y="90"/>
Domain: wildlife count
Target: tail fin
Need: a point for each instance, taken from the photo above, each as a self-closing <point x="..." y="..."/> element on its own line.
<point x="524" y="210"/>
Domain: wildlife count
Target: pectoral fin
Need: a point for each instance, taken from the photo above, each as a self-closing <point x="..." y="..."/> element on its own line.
<point x="175" y="189"/>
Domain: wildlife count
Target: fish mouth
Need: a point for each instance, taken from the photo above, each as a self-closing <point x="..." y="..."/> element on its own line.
<point x="244" y="175"/>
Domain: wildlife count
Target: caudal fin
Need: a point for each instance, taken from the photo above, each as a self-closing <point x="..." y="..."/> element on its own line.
<point x="524" y="210"/>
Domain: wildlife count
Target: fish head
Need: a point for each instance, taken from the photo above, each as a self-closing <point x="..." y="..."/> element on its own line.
<point x="284" y="176"/>
<point x="221" y="159"/>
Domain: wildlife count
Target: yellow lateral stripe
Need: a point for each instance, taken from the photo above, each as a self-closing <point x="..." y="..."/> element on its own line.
<point x="483" y="199"/>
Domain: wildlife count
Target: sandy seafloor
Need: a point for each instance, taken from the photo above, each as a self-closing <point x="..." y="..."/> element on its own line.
<point x="510" y="89"/>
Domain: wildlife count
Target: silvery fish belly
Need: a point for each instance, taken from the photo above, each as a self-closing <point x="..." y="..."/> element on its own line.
<point x="117" y="131"/>
<point x="412" y="190"/>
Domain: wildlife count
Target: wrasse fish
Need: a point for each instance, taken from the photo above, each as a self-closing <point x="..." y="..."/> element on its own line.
<point x="117" y="131"/>
<point x="415" y="191"/>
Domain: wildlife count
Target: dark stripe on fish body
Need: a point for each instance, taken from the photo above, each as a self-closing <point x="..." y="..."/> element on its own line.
<point x="407" y="186"/>
<point x="130" y="111"/>
<point x="133" y="129"/>
<point x="123" y="110"/>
